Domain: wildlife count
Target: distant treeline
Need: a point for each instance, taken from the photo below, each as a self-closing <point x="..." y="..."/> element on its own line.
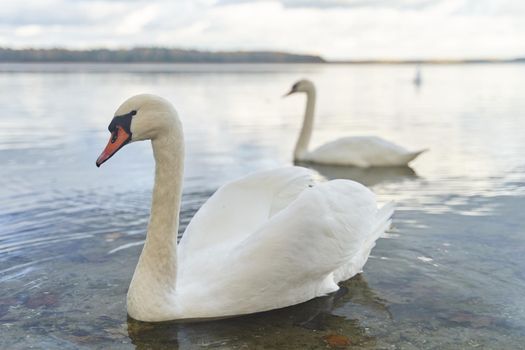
<point x="138" y="55"/>
<point x="167" y="55"/>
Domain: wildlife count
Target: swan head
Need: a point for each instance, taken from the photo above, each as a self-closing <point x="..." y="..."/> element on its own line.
<point x="141" y="117"/>
<point x="303" y="85"/>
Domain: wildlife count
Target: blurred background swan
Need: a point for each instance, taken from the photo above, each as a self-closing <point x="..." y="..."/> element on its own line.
<point x="359" y="151"/>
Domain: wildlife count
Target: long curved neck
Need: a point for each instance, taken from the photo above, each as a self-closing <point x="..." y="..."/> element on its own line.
<point x="157" y="266"/>
<point x="161" y="241"/>
<point x="301" y="147"/>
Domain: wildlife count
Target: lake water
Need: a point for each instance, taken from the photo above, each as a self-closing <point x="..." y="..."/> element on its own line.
<point x="449" y="275"/>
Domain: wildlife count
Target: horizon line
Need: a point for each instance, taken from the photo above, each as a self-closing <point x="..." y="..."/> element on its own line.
<point x="382" y="60"/>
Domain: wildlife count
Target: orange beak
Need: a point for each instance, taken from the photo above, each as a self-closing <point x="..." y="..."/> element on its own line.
<point x="119" y="138"/>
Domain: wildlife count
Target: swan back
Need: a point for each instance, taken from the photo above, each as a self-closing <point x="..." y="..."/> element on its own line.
<point x="290" y="257"/>
<point x="361" y="151"/>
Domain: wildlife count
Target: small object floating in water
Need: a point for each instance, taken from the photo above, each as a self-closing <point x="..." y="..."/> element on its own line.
<point x="418" y="80"/>
<point x="360" y="151"/>
<point x="262" y="242"/>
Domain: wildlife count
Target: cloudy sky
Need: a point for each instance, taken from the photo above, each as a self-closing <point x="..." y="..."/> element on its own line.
<point x="335" y="29"/>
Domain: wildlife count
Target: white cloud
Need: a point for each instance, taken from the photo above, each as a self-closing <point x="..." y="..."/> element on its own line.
<point x="29" y="30"/>
<point x="136" y="21"/>
<point x="335" y="29"/>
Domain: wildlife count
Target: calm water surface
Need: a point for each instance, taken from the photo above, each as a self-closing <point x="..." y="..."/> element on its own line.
<point x="450" y="274"/>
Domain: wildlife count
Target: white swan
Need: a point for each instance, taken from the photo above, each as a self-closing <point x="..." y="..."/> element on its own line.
<point x="269" y="240"/>
<point x="360" y="151"/>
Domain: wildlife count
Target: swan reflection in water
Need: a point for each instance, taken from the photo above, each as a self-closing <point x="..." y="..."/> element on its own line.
<point x="366" y="176"/>
<point x="298" y="326"/>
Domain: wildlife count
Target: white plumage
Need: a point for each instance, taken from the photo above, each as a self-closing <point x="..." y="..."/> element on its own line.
<point x="359" y="151"/>
<point x="269" y="240"/>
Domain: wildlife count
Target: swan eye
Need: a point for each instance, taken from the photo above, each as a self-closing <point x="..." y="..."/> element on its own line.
<point x="122" y="121"/>
<point x="114" y="135"/>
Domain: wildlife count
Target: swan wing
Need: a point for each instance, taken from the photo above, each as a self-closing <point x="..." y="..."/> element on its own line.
<point x="362" y="151"/>
<point x="299" y="253"/>
<point x="237" y="208"/>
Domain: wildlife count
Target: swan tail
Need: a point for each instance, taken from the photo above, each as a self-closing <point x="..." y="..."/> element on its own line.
<point x="413" y="155"/>
<point x="383" y="223"/>
<point x="383" y="220"/>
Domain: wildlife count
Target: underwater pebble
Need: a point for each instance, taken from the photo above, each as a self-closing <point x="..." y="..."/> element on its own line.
<point x="110" y="237"/>
<point x="337" y="340"/>
<point x="41" y="299"/>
